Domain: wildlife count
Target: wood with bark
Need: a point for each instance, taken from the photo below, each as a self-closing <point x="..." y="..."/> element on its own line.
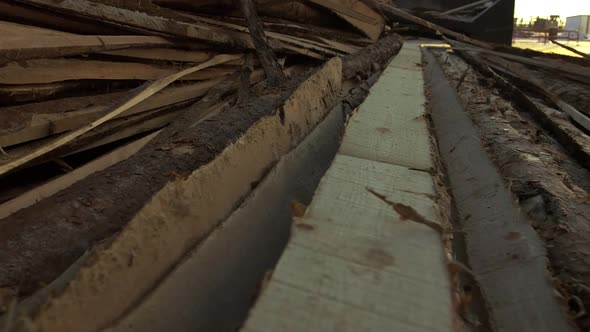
<point x="135" y="21"/>
<point x="266" y="55"/>
<point x="21" y="42"/>
<point x="244" y="91"/>
<point x="362" y="63"/>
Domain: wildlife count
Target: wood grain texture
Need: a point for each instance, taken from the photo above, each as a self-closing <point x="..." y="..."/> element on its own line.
<point x="353" y="263"/>
<point x="358" y="14"/>
<point x="398" y="133"/>
<point x="57" y="70"/>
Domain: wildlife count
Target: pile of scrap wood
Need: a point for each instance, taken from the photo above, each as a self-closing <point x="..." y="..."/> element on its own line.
<point x="97" y="96"/>
<point x="66" y="64"/>
<point x="106" y="102"/>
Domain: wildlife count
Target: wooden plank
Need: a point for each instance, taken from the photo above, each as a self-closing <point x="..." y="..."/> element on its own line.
<point x="31" y="197"/>
<point x="277" y="39"/>
<point x="43" y="125"/>
<point x="354" y="265"/>
<point x="180" y="214"/>
<point x="135" y="20"/>
<point x="399" y="135"/>
<point x="357" y="13"/>
<point x="31" y="92"/>
<point x="57" y="70"/>
<point x="142" y="93"/>
<point x="166" y="54"/>
<point x="21" y="42"/>
<point x="14" y="11"/>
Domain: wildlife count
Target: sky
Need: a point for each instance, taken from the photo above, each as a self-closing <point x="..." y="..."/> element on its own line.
<point x="527" y="8"/>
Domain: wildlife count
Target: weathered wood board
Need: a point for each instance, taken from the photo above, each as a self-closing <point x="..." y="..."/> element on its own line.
<point x="57" y="70"/>
<point x="353" y="263"/>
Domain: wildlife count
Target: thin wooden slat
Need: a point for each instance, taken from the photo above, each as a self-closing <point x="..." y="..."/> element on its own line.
<point x="142" y="93"/>
<point x="43" y="125"/>
<point x="20" y="42"/>
<point x="353" y="262"/>
<point x="57" y="70"/>
<point x="135" y="20"/>
<point x="277" y="39"/>
<point x="357" y="14"/>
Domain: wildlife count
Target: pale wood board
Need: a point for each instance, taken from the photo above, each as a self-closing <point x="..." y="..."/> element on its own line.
<point x="46" y="190"/>
<point x="32" y="44"/>
<point x="353" y="264"/>
<point x="140" y="95"/>
<point x="57" y="70"/>
<point x="398" y="134"/>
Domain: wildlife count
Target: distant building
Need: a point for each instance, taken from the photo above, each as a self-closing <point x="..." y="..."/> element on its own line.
<point x="580" y="23"/>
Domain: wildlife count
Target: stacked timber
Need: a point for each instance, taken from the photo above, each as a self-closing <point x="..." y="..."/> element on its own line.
<point x="139" y="125"/>
<point x="104" y="104"/>
<point x="64" y="65"/>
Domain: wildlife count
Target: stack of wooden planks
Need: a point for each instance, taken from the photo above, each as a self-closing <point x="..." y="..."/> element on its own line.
<point x="65" y="65"/>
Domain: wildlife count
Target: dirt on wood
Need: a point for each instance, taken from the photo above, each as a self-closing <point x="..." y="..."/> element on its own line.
<point x="553" y="189"/>
<point x="371" y="58"/>
<point x="38" y="243"/>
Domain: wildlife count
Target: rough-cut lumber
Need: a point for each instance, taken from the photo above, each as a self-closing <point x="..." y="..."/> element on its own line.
<point x="19" y="43"/>
<point x="511" y="271"/>
<point x="141" y="94"/>
<point x="266" y="55"/>
<point x="24" y="93"/>
<point x="57" y="70"/>
<point x="166" y="54"/>
<point x="277" y="40"/>
<point x="54" y="186"/>
<point x="353" y="263"/>
<point x="46" y="124"/>
<point x="357" y="13"/>
<point x="362" y="63"/>
<point x="395" y="14"/>
<point x="519" y="71"/>
<point x="172" y="212"/>
<point x="134" y="20"/>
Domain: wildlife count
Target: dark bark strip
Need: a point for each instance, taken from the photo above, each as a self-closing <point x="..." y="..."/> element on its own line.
<point x="274" y="72"/>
